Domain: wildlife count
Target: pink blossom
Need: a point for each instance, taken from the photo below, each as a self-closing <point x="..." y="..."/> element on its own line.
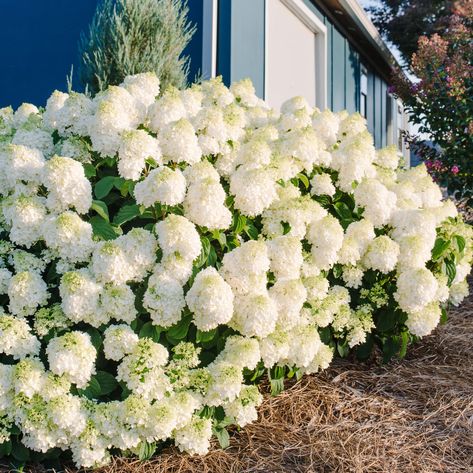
<point x="437" y="164"/>
<point x="455" y="169"/>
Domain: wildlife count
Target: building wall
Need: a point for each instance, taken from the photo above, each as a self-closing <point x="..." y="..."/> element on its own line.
<point x="241" y="54"/>
<point x="194" y="48"/>
<point x="39" y="44"/>
<point x="38" y="47"/>
<point x="344" y="83"/>
<point x="240" y="46"/>
<point x="42" y="38"/>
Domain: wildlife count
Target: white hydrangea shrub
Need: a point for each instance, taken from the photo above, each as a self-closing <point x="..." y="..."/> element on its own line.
<point x="160" y="253"/>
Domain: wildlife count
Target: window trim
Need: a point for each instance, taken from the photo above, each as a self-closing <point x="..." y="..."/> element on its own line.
<point x="209" y="39"/>
<point x="364" y="93"/>
<point x="313" y="22"/>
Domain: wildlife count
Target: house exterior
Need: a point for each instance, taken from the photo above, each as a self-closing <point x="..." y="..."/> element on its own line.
<point x="326" y="50"/>
<point x="38" y="46"/>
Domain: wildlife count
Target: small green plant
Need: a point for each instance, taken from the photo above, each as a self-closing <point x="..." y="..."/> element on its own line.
<point x="133" y="36"/>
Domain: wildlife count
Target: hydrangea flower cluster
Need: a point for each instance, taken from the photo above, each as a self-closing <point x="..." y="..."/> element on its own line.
<point x="161" y="251"/>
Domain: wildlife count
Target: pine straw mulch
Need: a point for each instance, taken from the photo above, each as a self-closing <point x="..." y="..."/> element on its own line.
<point x="414" y="415"/>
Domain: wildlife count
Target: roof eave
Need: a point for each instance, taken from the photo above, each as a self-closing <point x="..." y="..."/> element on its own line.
<point x="351" y="19"/>
<point x="358" y="14"/>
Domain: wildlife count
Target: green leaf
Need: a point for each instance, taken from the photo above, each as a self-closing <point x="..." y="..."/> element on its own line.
<point x="151" y="162"/>
<point x="391" y="347"/>
<point x="20" y="452"/>
<point x="146" y="450"/>
<point x="343" y="349"/>
<point x="304" y="180"/>
<point x="439" y="248"/>
<point x="226" y="421"/>
<point x="205" y="336"/>
<point x="252" y="231"/>
<point x="240" y="224"/>
<point x="101" y="208"/>
<point x="118" y="183"/>
<point x="200" y="261"/>
<point x="107" y="382"/>
<point x="325" y="334"/>
<point x="95" y="337"/>
<point x="5" y="449"/>
<point x="220" y="237"/>
<point x="179" y="331"/>
<point x="93" y="390"/>
<point x="450" y="270"/>
<point x="127" y="188"/>
<point x="222" y="436"/>
<point x="404" y="343"/>
<point x="323" y="200"/>
<point x="89" y="170"/>
<point x="15" y="430"/>
<point x="343" y="211"/>
<point x="103" y="229"/>
<point x="337" y="271"/>
<point x="126" y="213"/>
<point x="286" y="227"/>
<point x="444" y="316"/>
<point x="276" y="378"/>
<point x="277" y="386"/>
<point x="386" y="320"/>
<point x="104" y="186"/>
<point x="125" y="391"/>
<point x="291" y="373"/>
<point x="364" y="350"/>
<point x="212" y="258"/>
<point x="461" y="243"/>
<point x="151" y="331"/>
<point x="258" y="373"/>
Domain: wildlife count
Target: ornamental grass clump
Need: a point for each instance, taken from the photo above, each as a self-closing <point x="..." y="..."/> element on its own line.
<point x="162" y="253"/>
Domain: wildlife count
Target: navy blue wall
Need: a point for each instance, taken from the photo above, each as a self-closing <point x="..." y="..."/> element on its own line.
<point x="38" y="45"/>
<point x="194" y="48"/>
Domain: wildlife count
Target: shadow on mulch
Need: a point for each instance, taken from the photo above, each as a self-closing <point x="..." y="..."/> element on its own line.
<point x="413" y="415"/>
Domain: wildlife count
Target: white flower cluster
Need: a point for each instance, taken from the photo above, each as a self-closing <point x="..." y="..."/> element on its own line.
<point x="74" y="355"/>
<point x="161" y="247"/>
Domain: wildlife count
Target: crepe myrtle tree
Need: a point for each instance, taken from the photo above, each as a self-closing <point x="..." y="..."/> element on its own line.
<point x="440" y="102"/>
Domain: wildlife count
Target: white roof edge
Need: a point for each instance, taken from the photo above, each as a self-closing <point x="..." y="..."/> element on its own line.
<point x="356" y="11"/>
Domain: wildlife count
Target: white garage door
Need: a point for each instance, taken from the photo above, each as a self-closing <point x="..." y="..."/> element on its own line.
<point x="290" y="56"/>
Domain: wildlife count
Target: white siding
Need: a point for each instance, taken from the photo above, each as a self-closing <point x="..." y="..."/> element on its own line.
<point x="290" y="56"/>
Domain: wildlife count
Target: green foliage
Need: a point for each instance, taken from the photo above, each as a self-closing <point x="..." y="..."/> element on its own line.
<point x="146" y="450"/>
<point x="131" y="36"/>
<point x="402" y="22"/>
<point x="276" y="377"/>
<point x="222" y="436"/>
